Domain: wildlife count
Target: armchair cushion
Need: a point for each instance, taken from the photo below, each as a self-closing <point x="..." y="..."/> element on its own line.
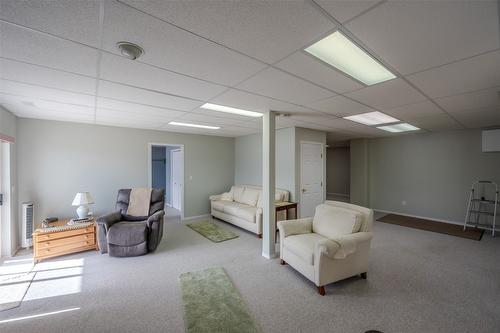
<point x="295" y="227"/>
<point x="333" y="222"/>
<point x="226" y="196"/>
<point x="128" y="233"/>
<point x="303" y="245"/>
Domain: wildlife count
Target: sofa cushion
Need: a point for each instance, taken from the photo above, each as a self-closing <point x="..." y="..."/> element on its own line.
<point x="241" y="210"/>
<point x="220" y="204"/>
<point x="128" y="233"/>
<point x="303" y="245"/>
<point x="333" y="222"/>
<point x="237" y="192"/>
<point x="249" y="197"/>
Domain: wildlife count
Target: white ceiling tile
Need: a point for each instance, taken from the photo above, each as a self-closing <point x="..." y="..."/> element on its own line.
<point x="437" y="122"/>
<point x="18" y="71"/>
<point x="172" y="48"/>
<point x="344" y="10"/>
<point x="308" y="116"/>
<point x="127" y="116"/>
<point x="480" y="118"/>
<point x="248" y="101"/>
<point x="267" y="30"/>
<point x="212" y="114"/>
<point x="17" y="104"/>
<point x="123" y="70"/>
<point x="146" y="97"/>
<point x="351" y="126"/>
<point x="139" y="110"/>
<point x="28" y="92"/>
<point x="28" y="46"/>
<point x="255" y="124"/>
<point x="387" y="95"/>
<point x="416" y="35"/>
<point x="277" y="84"/>
<point x="472" y="100"/>
<point x="420" y="109"/>
<point x="72" y="19"/>
<point x="340" y="106"/>
<point x="463" y="76"/>
<point x="311" y="69"/>
<point x="118" y="122"/>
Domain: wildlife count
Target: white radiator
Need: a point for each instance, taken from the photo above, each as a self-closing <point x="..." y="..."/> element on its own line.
<point x="27" y="226"/>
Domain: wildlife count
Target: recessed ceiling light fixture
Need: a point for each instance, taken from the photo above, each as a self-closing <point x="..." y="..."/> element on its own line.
<point x="228" y="109"/>
<point x="175" y="123"/>
<point x="130" y="50"/>
<point x="372" y="118"/>
<point x="398" y="128"/>
<point x="340" y="52"/>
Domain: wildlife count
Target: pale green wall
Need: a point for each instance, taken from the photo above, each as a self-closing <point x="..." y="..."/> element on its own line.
<point x="432" y="172"/>
<point x="248" y="160"/>
<point x="10" y="233"/>
<point x="58" y="159"/>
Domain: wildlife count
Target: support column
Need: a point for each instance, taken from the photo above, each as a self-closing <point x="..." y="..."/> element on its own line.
<point x="268" y="186"/>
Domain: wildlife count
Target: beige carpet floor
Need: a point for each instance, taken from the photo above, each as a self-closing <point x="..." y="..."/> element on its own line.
<point x="418" y="281"/>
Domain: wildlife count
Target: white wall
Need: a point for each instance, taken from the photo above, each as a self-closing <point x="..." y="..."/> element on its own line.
<point x="58" y="159"/>
<point x="338" y="170"/>
<point x="431" y="172"/>
<point x="10" y="233"/>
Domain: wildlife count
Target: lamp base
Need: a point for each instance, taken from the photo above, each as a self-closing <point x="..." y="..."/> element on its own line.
<point x="82" y="211"/>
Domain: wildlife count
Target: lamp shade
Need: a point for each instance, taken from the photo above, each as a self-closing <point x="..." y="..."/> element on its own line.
<point x="82" y="198"/>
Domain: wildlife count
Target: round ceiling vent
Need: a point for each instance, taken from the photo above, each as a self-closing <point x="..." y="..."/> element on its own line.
<point x="130" y="50"/>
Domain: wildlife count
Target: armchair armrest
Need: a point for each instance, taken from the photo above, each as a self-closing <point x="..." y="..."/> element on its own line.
<point x="348" y="243"/>
<point x="156" y="217"/>
<point x="295" y="227"/>
<point x="108" y="220"/>
<point x="215" y="197"/>
<point x="326" y="247"/>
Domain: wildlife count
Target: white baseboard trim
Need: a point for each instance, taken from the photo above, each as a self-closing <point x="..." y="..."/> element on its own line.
<point x="418" y="216"/>
<point x="267" y="256"/>
<point x="338" y="194"/>
<point x="191" y="218"/>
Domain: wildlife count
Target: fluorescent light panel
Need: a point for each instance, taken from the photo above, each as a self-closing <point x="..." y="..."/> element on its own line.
<point x="340" y="52"/>
<point x="398" y="128"/>
<point x="372" y="118"/>
<point x="228" y="109"/>
<point x="175" y="123"/>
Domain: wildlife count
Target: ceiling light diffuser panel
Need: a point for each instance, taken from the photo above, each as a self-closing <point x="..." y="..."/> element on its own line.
<point x="372" y="118"/>
<point x="340" y="52"/>
<point x="398" y="128"/>
<point x="175" y="123"/>
<point x="228" y="109"/>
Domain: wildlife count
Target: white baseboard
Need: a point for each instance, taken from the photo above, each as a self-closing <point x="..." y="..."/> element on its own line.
<point x="338" y="194"/>
<point x="274" y="256"/>
<point x="418" y="216"/>
<point x="191" y="218"/>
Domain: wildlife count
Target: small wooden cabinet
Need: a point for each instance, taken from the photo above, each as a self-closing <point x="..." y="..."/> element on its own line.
<point x="61" y="241"/>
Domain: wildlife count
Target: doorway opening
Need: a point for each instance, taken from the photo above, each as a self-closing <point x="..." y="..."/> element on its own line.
<point x="166" y="171"/>
<point x="338" y="173"/>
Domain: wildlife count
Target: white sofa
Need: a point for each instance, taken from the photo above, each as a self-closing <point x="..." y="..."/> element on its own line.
<point x="331" y="246"/>
<point x="242" y="206"/>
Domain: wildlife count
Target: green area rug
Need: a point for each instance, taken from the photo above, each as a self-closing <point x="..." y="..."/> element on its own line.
<point x="212" y="303"/>
<point x="212" y="231"/>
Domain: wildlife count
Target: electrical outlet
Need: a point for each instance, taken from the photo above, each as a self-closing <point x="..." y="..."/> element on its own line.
<point x="403" y="202"/>
<point x="190" y="177"/>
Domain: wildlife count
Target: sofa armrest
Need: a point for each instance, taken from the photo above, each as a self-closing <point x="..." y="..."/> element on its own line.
<point x="155" y="218"/>
<point x="295" y="227"/>
<point x="109" y="219"/>
<point x="215" y="197"/>
<point x="348" y="243"/>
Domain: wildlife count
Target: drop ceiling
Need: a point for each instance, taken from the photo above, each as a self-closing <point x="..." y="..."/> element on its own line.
<point x="59" y="61"/>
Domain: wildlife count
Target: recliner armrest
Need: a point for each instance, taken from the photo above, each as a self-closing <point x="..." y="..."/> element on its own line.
<point x="109" y="219"/>
<point x="295" y="227"/>
<point x="156" y="217"/>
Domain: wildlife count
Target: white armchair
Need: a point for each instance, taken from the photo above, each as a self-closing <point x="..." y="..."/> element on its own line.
<point x="331" y="246"/>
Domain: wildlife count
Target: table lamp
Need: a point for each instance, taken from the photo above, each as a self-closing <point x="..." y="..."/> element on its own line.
<point x="82" y="200"/>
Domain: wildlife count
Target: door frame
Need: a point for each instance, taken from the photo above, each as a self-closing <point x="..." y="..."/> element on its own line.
<point x="323" y="187"/>
<point x="150" y="167"/>
<point x="172" y="174"/>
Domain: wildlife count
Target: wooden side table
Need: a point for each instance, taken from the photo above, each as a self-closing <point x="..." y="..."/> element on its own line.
<point x="284" y="205"/>
<point x="63" y="239"/>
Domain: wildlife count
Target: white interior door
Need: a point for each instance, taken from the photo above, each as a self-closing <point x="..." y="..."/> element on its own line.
<point x="311" y="177"/>
<point x="3" y="199"/>
<point x="177" y="161"/>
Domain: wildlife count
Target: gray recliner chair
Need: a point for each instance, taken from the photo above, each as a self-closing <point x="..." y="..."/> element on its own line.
<point x="122" y="235"/>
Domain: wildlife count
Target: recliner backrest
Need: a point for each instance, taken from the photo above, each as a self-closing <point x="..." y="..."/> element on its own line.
<point x="157" y="200"/>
